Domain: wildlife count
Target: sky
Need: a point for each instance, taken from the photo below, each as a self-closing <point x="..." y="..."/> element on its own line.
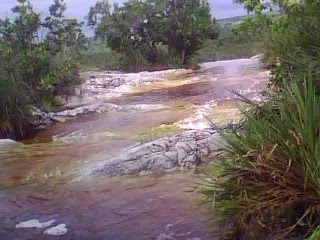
<point x="79" y="8"/>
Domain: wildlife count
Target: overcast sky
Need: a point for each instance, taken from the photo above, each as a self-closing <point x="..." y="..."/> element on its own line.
<point x="79" y="8"/>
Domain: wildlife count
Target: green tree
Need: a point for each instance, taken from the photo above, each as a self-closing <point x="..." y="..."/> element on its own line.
<point x="253" y="5"/>
<point x="260" y="5"/>
<point x="127" y="29"/>
<point x="34" y="67"/>
<point x="139" y="27"/>
<point x="185" y="25"/>
<point x="97" y="15"/>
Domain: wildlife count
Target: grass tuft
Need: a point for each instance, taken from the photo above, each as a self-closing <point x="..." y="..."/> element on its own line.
<point x="14" y="108"/>
<point x="267" y="184"/>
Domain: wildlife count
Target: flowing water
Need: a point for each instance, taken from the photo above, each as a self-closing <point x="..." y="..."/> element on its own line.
<point x="40" y="177"/>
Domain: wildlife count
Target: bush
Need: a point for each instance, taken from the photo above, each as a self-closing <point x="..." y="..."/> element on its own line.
<point x="293" y="46"/>
<point x="97" y="56"/>
<point x="291" y="40"/>
<point x="37" y="57"/>
<point x="267" y="183"/>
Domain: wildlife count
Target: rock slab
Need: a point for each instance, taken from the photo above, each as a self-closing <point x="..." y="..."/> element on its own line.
<point x="177" y="152"/>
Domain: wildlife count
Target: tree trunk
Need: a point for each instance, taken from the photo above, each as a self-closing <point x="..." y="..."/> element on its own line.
<point x="154" y="54"/>
<point x="170" y="49"/>
<point x="183" y="57"/>
<point x="171" y="45"/>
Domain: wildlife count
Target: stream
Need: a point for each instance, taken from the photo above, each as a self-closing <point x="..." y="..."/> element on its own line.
<point x="48" y="191"/>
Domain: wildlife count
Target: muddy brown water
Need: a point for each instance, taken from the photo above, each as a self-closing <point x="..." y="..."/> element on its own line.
<point x="126" y="208"/>
<point x="40" y="178"/>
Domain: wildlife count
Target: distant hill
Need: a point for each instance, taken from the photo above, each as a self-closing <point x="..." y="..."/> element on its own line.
<point x="230" y="20"/>
<point x="240" y="18"/>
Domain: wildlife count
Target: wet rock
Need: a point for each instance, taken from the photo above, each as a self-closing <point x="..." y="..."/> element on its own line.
<point x="40" y="118"/>
<point x="43" y="119"/>
<point x="59" y="101"/>
<point x="181" y="151"/>
<point x="117" y="82"/>
<point x="171" y="234"/>
<point x="100" y="86"/>
<point x="33" y="223"/>
<point x="97" y="87"/>
<point x="9" y="142"/>
<point x="99" y="108"/>
<point x="165" y="236"/>
<point x="95" y="108"/>
<point x="168" y="227"/>
<point x="58" y="230"/>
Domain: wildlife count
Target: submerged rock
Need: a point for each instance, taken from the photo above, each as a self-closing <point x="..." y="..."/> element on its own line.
<point x="181" y="151"/>
<point x="43" y="119"/>
<point x="33" y="223"/>
<point x="9" y="142"/>
<point x="40" y="119"/>
<point x="166" y="236"/>
<point x="58" y="230"/>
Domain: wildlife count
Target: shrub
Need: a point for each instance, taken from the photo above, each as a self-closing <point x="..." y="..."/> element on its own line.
<point x="37" y="57"/>
<point x="291" y="39"/>
<point x="267" y="185"/>
<point x="294" y="46"/>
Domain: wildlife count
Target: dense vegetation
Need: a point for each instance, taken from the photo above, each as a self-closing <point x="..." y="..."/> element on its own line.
<point x="154" y="32"/>
<point x="266" y="185"/>
<point x="291" y="40"/>
<point x="38" y="60"/>
<point x="227" y="46"/>
<point x="268" y="181"/>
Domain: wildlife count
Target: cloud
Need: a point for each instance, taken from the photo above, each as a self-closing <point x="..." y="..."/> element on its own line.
<point x="226" y="9"/>
<point x="79" y="8"/>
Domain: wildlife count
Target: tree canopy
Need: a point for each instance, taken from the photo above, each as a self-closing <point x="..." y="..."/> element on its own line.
<point x="260" y="5"/>
<point x="140" y="27"/>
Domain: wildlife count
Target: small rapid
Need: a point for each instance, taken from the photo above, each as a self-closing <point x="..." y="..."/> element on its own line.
<point x="41" y="178"/>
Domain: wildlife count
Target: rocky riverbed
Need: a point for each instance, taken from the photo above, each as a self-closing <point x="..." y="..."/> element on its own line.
<point x="99" y="169"/>
<point x="178" y="152"/>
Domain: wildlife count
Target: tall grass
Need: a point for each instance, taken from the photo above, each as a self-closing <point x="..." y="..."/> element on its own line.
<point x="315" y="235"/>
<point x="267" y="185"/>
<point x="14" y="108"/>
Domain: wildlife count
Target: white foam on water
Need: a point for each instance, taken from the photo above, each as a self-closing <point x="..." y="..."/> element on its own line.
<point x="198" y="121"/>
<point x="106" y="85"/>
<point x="9" y="142"/>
